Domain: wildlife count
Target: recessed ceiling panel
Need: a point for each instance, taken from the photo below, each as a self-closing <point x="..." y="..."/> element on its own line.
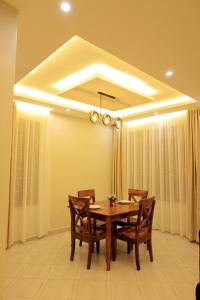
<point x="88" y="93"/>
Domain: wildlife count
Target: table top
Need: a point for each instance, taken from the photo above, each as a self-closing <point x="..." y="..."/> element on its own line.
<point x="116" y="209"/>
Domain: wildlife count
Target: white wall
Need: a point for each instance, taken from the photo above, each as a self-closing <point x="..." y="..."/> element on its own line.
<point x="8" y="29"/>
<point x="80" y="158"/>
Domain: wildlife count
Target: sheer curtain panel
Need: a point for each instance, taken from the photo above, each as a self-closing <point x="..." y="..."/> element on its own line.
<point x="29" y="201"/>
<point x="117" y="163"/>
<point x="154" y="159"/>
<point x="193" y="173"/>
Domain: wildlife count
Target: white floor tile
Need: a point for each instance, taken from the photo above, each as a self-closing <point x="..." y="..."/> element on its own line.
<point x="157" y="291"/>
<point x="13" y="270"/>
<point x="36" y="271"/>
<point x="41" y="270"/>
<point x="58" y="289"/>
<point x="24" y="288"/>
<point x="68" y="271"/>
<point x="128" y="290"/>
<point x="95" y="290"/>
<point x="42" y="258"/>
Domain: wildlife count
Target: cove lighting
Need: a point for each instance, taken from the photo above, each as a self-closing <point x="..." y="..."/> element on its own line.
<point x="105" y="72"/>
<point x="65" y="6"/>
<point x="160" y="118"/>
<point x="22" y="91"/>
<point x="152" y="106"/>
<point x="75" y="79"/>
<point x="32" y="108"/>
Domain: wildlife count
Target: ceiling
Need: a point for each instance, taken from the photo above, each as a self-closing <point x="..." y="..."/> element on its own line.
<point x="146" y="37"/>
<point x="89" y="92"/>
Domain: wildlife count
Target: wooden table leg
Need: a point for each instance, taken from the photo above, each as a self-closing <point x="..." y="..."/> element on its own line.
<point x="108" y="242"/>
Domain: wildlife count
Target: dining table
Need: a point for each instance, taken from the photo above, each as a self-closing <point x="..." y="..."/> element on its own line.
<point x="109" y="212"/>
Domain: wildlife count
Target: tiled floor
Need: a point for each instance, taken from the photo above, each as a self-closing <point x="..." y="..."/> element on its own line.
<point x="41" y="270"/>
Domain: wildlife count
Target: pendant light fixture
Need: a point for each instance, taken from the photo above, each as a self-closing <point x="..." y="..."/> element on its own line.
<point x="106" y="119"/>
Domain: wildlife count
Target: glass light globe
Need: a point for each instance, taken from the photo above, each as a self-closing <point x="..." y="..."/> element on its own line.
<point x="118" y="123"/>
<point x="106" y="119"/>
<point x="93" y="116"/>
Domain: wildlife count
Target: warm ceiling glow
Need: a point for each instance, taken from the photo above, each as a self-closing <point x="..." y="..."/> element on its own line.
<point x="30" y="93"/>
<point x="105" y="72"/>
<point x="65" y="6"/>
<point x="169" y="73"/>
<point x="22" y="91"/>
<point x="32" y="108"/>
<point x="75" y="79"/>
<point x="67" y="109"/>
<point x="148" y="107"/>
<point x="151" y="119"/>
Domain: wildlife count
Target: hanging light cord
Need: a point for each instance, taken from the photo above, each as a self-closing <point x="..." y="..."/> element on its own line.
<point x="100" y="102"/>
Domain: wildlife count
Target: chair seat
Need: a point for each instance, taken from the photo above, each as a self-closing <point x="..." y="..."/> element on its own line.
<point x="82" y="232"/>
<point x="98" y="224"/>
<point x="131" y="233"/>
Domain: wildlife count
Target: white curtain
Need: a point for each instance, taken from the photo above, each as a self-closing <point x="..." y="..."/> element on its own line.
<point x="29" y="200"/>
<point x="193" y="173"/>
<point x="117" y="173"/>
<point x="154" y="159"/>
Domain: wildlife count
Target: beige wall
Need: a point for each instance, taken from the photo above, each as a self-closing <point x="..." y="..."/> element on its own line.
<point x="80" y="158"/>
<point x="8" y="29"/>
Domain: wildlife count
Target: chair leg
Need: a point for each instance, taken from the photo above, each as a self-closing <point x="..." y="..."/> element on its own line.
<point x="80" y="243"/>
<point x="137" y="256"/>
<point x="114" y="228"/>
<point x="97" y="246"/>
<point x="90" y="246"/>
<point x="73" y="243"/>
<point x="128" y="248"/>
<point x="114" y="249"/>
<point x="150" y="250"/>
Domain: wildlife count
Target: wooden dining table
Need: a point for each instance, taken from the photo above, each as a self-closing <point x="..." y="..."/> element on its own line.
<point x="108" y="213"/>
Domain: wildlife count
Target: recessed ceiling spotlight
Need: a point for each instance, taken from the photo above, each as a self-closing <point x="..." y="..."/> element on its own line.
<point x="65" y="6"/>
<point x="155" y="113"/>
<point x="169" y="73"/>
<point x="67" y="109"/>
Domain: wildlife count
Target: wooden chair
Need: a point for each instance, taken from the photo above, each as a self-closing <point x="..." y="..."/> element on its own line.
<point x="141" y="232"/>
<point x="82" y="228"/>
<point x="134" y="195"/>
<point x="137" y="195"/>
<point x="88" y="194"/>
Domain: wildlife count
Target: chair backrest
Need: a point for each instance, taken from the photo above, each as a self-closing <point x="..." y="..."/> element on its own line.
<point x="80" y="214"/>
<point x="133" y="194"/>
<point x="145" y="214"/>
<point x="90" y="194"/>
